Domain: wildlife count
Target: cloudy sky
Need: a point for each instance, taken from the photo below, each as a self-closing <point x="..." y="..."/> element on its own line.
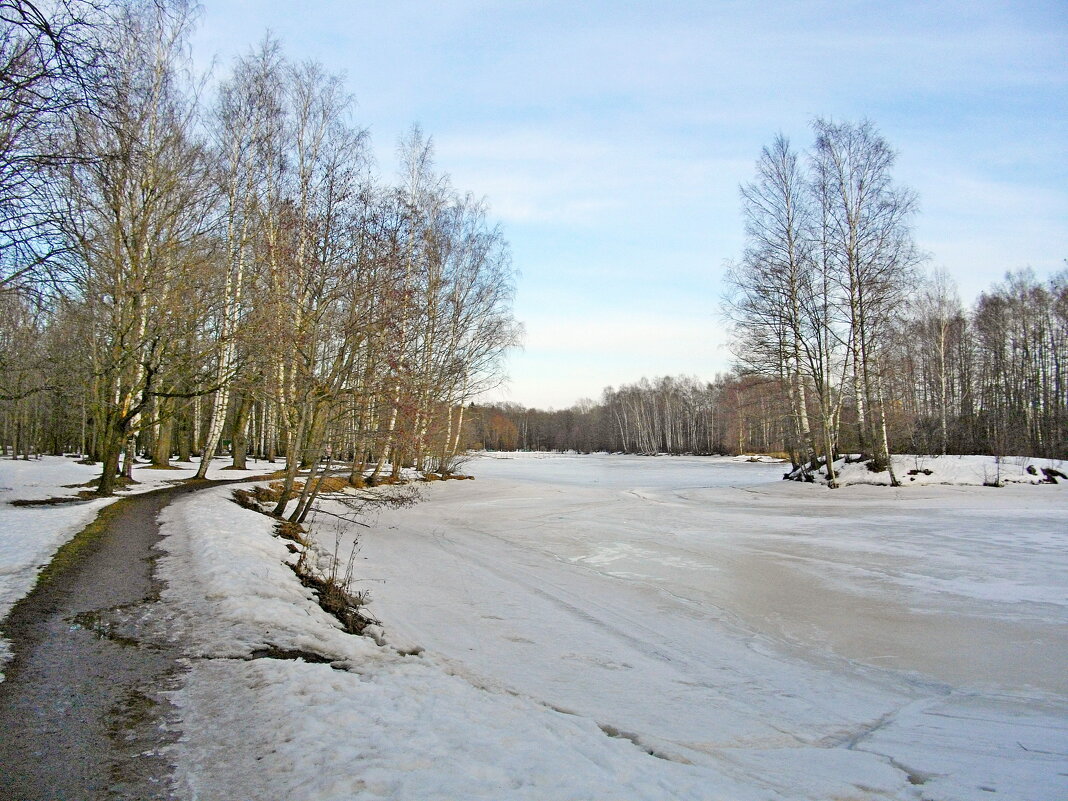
<point x="610" y="139"/>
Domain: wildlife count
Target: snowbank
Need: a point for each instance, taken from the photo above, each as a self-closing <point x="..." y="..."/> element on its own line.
<point x="954" y="470"/>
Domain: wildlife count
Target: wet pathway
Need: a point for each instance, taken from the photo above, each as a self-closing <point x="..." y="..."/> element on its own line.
<point x="81" y="712"/>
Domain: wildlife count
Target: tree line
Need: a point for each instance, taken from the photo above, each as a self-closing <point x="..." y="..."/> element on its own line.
<point x="866" y="352"/>
<point x="991" y="379"/>
<point x="183" y="273"/>
<point x="676" y="415"/>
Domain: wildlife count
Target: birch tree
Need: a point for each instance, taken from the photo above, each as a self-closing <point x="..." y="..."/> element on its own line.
<point x="49" y="71"/>
<point x="772" y="283"/>
<point x="868" y="230"/>
<point x="311" y="260"/>
<point x="138" y="218"/>
<point x="246" y="129"/>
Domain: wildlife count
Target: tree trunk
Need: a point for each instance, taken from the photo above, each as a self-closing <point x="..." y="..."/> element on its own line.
<point x="240" y="432"/>
<point x="131" y="456"/>
<point x="161" y="451"/>
<point x="293" y="448"/>
<point x="185" y="446"/>
<point x="111" y="450"/>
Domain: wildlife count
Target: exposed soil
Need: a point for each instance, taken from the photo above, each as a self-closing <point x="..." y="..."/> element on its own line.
<point x="81" y="709"/>
<point x="58" y="501"/>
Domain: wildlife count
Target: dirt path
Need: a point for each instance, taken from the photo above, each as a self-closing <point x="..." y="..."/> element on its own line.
<point x="80" y="707"/>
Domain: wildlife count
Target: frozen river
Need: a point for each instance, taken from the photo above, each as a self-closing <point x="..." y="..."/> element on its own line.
<point x="907" y="643"/>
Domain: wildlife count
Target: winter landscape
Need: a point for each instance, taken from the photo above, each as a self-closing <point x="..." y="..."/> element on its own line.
<point x="533" y="401"/>
<point x="607" y="626"/>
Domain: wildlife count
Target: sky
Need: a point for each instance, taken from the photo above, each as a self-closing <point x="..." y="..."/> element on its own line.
<point x="610" y="140"/>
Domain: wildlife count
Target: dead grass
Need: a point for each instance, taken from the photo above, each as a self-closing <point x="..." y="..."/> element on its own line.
<point x="295" y="532"/>
<point x="246" y="500"/>
<point x="260" y="496"/>
<point x="53" y="501"/>
<point x="446" y="477"/>
<point x="333" y="484"/>
<point x="383" y="481"/>
<point x="334" y="598"/>
<point x="272" y="493"/>
<point x="332" y="589"/>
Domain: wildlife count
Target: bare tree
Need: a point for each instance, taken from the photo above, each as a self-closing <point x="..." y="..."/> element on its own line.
<point x="774" y="330"/>
<point x="868" y="231"/>
<point x="938" y="316"/>
<point x="49" y="71"/>
<point x="138" y="219"/>
<point x="246" y="127"/>
<point x="261" y="282"/>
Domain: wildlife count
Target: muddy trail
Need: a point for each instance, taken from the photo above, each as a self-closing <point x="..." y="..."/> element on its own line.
<point x="81" y="706"/>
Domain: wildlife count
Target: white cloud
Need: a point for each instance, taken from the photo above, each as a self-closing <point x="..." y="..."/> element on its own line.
<point x="579" y="179"/>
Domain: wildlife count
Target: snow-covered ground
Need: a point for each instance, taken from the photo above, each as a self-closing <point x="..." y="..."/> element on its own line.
<point x="30" y="535"/>
<point x="968" y="471"/>
<point x="630" y="628"/>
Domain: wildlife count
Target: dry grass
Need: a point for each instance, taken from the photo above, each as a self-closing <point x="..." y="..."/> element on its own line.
<point x="446" y="477"/>
<point x="333" y="484"/>
<point x="338" y="601"/>
<point x="245" y="499"/>
<point x="332" y="589"/>
<point x="272" y="493"/>
<point x="288" y="530"/>
<point x="383" y="481"/>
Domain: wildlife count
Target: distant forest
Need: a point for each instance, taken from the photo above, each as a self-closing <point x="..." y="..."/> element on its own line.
<point x="1001" y="367"/>
<point x="993" y="379"/>
<point x="990" y="380"/>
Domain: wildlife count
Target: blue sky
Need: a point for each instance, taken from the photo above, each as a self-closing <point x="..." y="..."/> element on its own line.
<point x="610" y="139"/>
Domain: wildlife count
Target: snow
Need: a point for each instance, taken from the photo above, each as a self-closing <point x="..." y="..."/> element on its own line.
<point x="615" y="627"/>
<point x="386" y="726"/>
<point x="759" y="457"/>
<point x="230" y="589"/>
<point x="956" y="470"/>
<point x="30" y="535"/>
<point x="635" y="628"/>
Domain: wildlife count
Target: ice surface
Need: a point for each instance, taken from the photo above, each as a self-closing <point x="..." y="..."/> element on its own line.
<point x="635" y="628"/>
